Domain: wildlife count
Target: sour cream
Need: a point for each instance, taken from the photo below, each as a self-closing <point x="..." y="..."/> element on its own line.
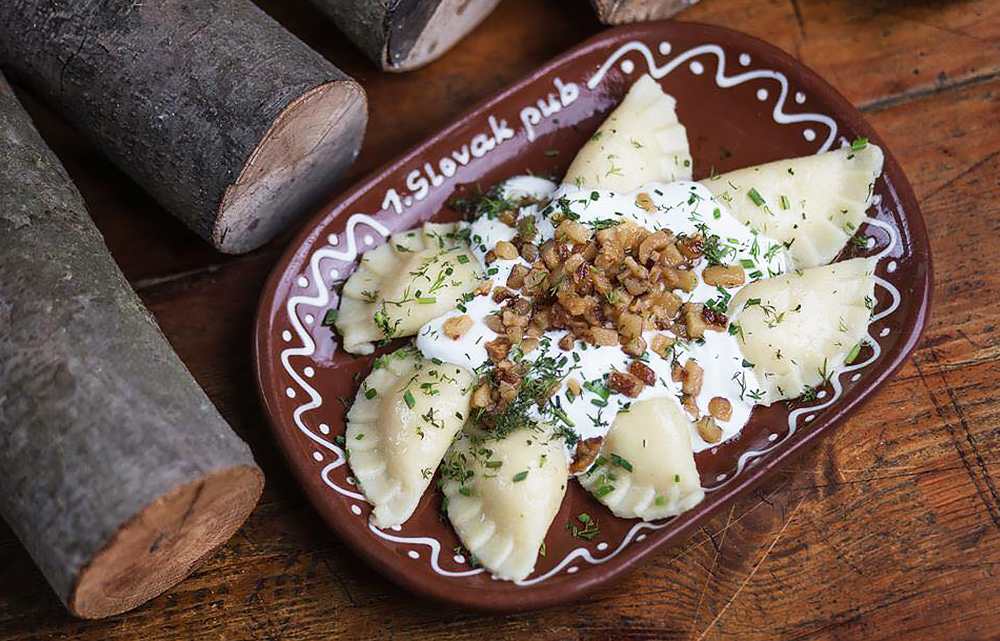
<point x="681" y="207"/>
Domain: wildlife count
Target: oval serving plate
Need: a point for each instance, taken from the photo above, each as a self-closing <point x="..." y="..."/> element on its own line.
<point x="743" y="102"/>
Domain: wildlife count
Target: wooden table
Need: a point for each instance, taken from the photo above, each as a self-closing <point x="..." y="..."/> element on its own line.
<point x="889" y="530"/>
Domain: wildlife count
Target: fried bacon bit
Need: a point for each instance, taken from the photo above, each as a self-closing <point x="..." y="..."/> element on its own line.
<point x="484" y="289"/>
<point x="643" y="372"/>
<point x="516" y="278"/>
<point x="586" y="453"/>
<point x="529" y="252"/>
<point x="529" y="345"/>
<point x="602" y="336"/>
<point x="720" y="408"/>
<point x="635" y="347"/>
<point x="689" y="405"/>
<point x="708" y="430"/>
<point x="715" y="321"/>
<point x="661" y="345"/>
<point x="693" y="377"/>
<point x="625" y="383"/>
<point x="498" y="349"/>
<point x="694" y="319"/>
<point x="645" y="201"/>
<point x="500" y="294"/>
<point x="495" y="323"/>
<point x="724" y="275"/>
<point x="481" y="397"/>
<point x="573" y="231"/>
<point x="456" y="327"/>
<point x="654" y="242"/>
<point x="505" y="250"/>
<point x="566" y="342"/>
<point x="691" y="247"/>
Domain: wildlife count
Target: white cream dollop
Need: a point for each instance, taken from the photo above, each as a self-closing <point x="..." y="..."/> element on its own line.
<point x="682" y="207"/>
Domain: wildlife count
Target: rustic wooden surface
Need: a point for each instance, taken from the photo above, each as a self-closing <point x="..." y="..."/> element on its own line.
<point x="889" y="530"/>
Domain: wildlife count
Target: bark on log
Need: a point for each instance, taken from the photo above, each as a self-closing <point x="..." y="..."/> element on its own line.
<point x="232" y="123"/>
<point x="400" y="35"/>
<point x="623" y="11"/>
<point x="116" y="472"/>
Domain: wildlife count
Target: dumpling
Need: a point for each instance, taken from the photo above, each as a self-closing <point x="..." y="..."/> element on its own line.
<point x="414" y="277"/>
<point x="798" y="329"/>
<point x="502" y="496"/>
<point x="646" y="467"/>
<point x="404" y="417"/>
<point x="640" y="142"/>
<point x="814" y="204"/>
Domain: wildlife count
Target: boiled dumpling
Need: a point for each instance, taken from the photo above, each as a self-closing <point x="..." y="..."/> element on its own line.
<point x="404" y="417"/>
<point x="640" y="142"/>
<point x="813" y="204"/>
<point x="646" y="467"/>
<point x="414" y="277"/>
<point x="798" y="329"/>
<point x="502" y="496"/>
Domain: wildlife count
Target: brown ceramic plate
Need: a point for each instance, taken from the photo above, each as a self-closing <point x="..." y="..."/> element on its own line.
<point x="743" y="102"/>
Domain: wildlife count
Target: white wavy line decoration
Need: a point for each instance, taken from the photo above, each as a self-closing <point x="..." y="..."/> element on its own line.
<point x="433" y="544"/>
<point x="350" y="252"/>
<point x="584" y="553"/>
<point x="308" y="348"/>
<point x="721" y="79"/>
<point x="793" y="417"/>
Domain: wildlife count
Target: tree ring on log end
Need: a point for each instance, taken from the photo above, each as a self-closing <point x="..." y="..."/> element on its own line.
<point x="164" y="542"/>
<point x="305" y="150"/>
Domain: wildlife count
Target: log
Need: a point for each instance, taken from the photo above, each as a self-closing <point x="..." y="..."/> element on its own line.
<point x="232" y="123"/>
<point x="401" y="35"/>
<point x="624" y="11"/>
<point x="116" y="472"/>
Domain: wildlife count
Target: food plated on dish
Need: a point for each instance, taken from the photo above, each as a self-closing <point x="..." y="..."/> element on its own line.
<point x="603" y="329"/>
<point x="408" y="504"/>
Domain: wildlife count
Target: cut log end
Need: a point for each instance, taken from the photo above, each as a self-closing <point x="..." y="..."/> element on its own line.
<point x="626" y="11"/>
<point x="162" y="544"/>
<point x="307" y="148"/>
<point x="450" y="21"/>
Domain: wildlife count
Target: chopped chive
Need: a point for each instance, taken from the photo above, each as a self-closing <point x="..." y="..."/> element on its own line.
<point x="677" y="478"/>
<point x="330" y="318"/>
<point x="784" y="201"/>
<point x="464" y="491"/>
<point x="853" y="355"/>
<point x="583" y="517"/>
<point x="859" y="144"/>
<point x="661" y="500"/>
<point x="621" y="462"/>
<point x="604" y="490"/>
<point x="493" y="464"/>
<point x="371" y="393"/>
<point x="717" y="214"/>
<point x="747" y="263"/>
<point x="755" y="197"/>
<point x="462" y="258"/>
<point x="427" y="300"/>
<point x="437" y="361"/>
<point x="520" y="476"/>
<point x="551" y="153"/>
<point x="408" y="397"/>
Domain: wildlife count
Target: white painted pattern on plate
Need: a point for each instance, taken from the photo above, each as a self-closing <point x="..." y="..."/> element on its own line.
<point x="322" y="297"/>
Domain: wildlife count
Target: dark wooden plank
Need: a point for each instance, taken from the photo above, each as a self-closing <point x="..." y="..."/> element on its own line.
<point x="887" y="531"/>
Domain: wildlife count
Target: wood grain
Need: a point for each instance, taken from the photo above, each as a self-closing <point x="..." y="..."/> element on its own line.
<point x="889" y="530"/>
